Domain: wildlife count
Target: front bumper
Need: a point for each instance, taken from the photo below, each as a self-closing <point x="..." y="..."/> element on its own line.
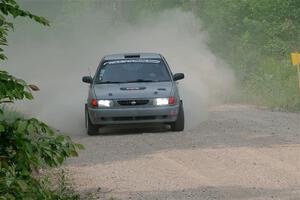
<point x="153" y="114"/>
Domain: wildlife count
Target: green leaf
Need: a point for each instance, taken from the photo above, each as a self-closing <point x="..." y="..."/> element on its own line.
<point x="73" y="153"/>
<point x="60" y="138"/>
<point x="79" y="146"/>
<point x="22" y="185"/>
<point x="31" y="128"/>
<point x="21" y="127"/>
<point x="2" y="128"/>
<point x="28" y="95"/>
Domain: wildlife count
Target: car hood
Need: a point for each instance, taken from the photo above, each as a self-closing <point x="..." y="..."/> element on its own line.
<point x="133" y="90"/>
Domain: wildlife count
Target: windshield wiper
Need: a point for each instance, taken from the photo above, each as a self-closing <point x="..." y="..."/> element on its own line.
<point x="139" y="81"/>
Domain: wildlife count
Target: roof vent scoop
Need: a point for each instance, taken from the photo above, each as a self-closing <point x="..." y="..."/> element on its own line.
<point x="132" y="56"/>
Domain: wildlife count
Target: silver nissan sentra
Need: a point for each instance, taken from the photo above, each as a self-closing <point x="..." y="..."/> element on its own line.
<point x="133" y="88"/>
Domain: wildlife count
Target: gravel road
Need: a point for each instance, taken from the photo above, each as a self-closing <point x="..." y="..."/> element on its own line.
<point x="239" y="152"/>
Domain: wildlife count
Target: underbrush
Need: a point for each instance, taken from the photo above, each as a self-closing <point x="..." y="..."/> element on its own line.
<point x="274" y="84"/>
<point x="26" y="147"/>
<point x="29" y="174"/>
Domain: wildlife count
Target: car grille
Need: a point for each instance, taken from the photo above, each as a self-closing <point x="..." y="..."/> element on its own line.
<point x="133" y="102"/>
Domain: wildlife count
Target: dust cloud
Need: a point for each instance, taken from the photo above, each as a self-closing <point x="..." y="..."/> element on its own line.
<point x="56" y="58"/>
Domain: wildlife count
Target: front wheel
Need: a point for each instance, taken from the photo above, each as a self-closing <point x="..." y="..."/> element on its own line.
<point x="178" y="125"/>
<point x="91" y="128"/>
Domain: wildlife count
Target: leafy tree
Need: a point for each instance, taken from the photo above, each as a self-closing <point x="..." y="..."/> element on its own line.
<point x="256" y="38"/>
<point x="25" y="144"/>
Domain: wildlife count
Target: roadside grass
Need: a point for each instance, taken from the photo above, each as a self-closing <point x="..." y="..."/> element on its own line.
<point x="273" y="84"/>
<point x="59" y="180"/>
<point x="56" y="180"/>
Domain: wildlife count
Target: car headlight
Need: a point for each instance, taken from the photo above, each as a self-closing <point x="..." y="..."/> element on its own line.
<point x="101" y="103"/>
<point x="164" y="101"/>
<point x="105" y="103"/>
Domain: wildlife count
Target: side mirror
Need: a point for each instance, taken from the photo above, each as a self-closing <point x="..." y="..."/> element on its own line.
<point x="87" y="79"/>
<point x="178" y="76"/>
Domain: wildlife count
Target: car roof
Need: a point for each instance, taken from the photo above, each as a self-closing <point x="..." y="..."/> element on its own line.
<point x="132" y="56"/>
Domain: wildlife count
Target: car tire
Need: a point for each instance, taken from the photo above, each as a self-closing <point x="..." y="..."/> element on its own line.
<point x="178" y="125"/>
<point x="91" y="128"/>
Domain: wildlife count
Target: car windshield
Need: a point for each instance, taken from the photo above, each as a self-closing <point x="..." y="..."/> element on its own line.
<point x="130" y="71"/>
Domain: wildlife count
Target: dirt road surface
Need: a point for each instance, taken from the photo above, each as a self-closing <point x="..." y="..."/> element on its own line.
<point x="239" y="152"/>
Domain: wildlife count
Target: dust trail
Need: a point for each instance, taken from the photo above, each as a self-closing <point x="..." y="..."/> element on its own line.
<point x="56" y="58"/>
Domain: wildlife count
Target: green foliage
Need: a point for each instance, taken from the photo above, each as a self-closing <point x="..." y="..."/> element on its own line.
<point x="29" y="143"/>
<point x="26" y="144"/>
<point x="256" y="38"/>
<point x="272" y="86"/>
<point x="12" y="89"/>
<point x="266" y="25"/>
